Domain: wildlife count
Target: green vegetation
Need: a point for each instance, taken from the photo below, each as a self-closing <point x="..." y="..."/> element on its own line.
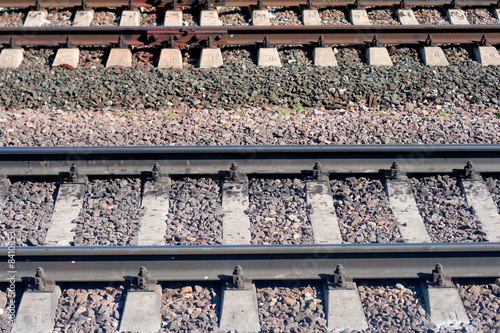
<point x="127" y="114"/>
<point x="298" y="107"/>
<point x="284" y="111"/>
<point x="496" y="114"/>
<point x="170" y="114"/>
<point x="443" y="114"/>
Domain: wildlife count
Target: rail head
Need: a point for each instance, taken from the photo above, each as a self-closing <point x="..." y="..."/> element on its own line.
<point x="248" y="35"/>
<point x="302" y="262"/>
<point x="216" y="160"/>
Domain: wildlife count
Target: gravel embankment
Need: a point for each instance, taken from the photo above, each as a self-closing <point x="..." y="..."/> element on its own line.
<point x="481" y="299"/>
<point x="494" y="185"/>
<point x="191" y="308"/>
<point x="291" y="308"/>
<point x="27" y="212"/>
<point x="195" y="216"/>
<point x="445" y="212"/>
<point x="406" y="124"/>
<point x="89" y="308"/>
<point x="298" y="81"/>
<point x="363" y="211"/>
<point x="111" y="213"/>
<point x="278" y="212"/>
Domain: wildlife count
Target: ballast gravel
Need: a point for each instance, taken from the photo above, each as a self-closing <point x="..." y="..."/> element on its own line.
<point x="89" y="308"/>
<point x="111" y="213"/>
<point x="298" y="81"/>
<point x="195" y="216"/>
<point x="58" y="17"/>
<point x="27" y="212"/>
<point x="334" y="16"/>
<point x="106" y="17"/>
<point x="289" y="307"/>
<point x="363" y="211"/>
<point x="481" y="299"/>
<point x="480" y="16"/>
<point x="278" y="212"/>
<point x="431" y="16"/>
<point x="5" y="305"/>
<point x="445" y="212"/>
<point x="410" y="123"/>
<point x="381" y="16"/>
<point x="190" y="308"/>
<point x="494" y="186"/>
<point x="394" y="306"/>
<point x="12" y="17"/>
<point x="285" y="16"/>
<point x="234" y="16"/>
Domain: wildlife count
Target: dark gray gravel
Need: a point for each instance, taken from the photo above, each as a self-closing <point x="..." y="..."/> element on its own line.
<point x="481" y="299"/>
<point x="394" y="306"/>
<point x="89" y="308"/>
<point x="445" y="212"/>
<point x="352" y="81"/>
<point x="195" y="212"/>
<point x="363" y="211"/>
<point x="288" y="307"/>
<point x="27" y="211"/>
<point x="278" y="212"/>
<point x="111" y="213"/>
<point x="190" y="308"/>
<point x="494" y="185"/>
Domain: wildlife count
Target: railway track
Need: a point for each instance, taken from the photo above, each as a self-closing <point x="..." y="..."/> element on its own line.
<point x="236" y="3"/>
<point x="237" y="268"/>
<point x="210" y="36"/>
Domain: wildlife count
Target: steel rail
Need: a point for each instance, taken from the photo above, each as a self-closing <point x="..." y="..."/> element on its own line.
<point x="363" y="159"/>
<point x="248" y="35"/>
<point x="302" y="262"/>
<point x="235" y="3"/>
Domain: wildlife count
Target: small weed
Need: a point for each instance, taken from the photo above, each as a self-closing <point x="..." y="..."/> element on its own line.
<point x="241" y="111"/>
<point x="127" y="114"/>
<point x="496" y="114"/>
<point x="170" y="114"/>
<point x="283" y="111"/>
<point x="298" y="107"/>
<point x="444" y="114"/>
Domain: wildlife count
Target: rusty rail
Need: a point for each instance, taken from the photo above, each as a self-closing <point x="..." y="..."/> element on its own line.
<point x="235" y="3"/>
<point x="247" y="35"/>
